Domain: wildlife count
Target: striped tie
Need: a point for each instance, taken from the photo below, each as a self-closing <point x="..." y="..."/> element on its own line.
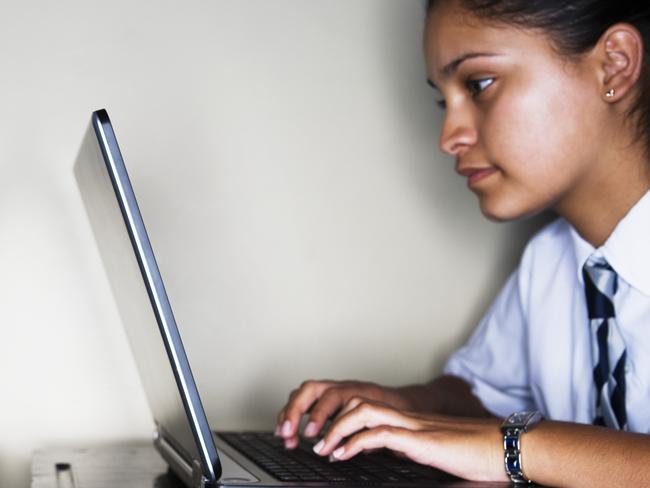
<point x="608" y="348"/>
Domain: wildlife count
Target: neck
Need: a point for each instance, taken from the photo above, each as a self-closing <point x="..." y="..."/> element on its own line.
<point x="598" y="204"/>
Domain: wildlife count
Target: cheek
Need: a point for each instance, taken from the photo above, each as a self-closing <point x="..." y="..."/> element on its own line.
<point x="540" y="140"/>
<point x="538" y="136"/>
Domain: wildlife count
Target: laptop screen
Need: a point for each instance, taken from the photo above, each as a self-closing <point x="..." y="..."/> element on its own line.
<point x="141" y="298"/>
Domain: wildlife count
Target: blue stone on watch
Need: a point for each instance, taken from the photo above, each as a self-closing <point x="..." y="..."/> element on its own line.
<point x="511" y="443"/>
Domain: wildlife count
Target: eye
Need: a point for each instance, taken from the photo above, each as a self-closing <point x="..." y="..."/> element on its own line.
<point x="477" y="86"/>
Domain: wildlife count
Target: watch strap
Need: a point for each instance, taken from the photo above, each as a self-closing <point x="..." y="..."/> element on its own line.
<point x="512" y="428"/>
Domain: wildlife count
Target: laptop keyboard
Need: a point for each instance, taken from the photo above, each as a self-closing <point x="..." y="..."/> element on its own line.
<point x="303" y="465"/>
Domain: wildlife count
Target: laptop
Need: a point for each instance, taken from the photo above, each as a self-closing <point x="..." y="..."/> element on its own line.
<point x="196" y="454"/>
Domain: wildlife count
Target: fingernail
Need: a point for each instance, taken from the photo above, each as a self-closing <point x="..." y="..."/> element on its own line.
<point x="338" y="453"/>
<point x="286" y="428"/>
<point x="276" y="432"/>
<point x="290" y="443"/>
<point x="310" y="429"/>
<point x="317" y="447"/>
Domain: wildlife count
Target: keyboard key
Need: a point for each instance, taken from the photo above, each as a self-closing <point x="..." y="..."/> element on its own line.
<point x="302" y="464"/>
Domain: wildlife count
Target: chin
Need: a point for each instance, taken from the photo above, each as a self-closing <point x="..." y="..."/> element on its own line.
<point x="506" y="211"/>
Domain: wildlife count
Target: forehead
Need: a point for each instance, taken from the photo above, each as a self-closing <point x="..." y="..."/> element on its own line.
<point x="451" y="32"/>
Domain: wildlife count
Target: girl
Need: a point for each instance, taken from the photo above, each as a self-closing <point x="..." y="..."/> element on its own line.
<point x="547" y="106"/>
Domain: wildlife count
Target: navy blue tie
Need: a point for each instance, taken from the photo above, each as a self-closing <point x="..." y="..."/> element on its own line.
<point x="608" y="348"/>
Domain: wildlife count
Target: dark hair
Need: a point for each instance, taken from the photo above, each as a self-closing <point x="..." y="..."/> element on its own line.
<point x="574" y="27"/>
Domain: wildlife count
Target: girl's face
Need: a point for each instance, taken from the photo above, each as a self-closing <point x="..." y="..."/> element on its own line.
<point x="526" y="126"/>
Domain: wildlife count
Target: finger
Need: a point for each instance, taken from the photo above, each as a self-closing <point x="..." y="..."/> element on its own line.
<point x="331" y="401"/>
<point x="282" y="413"/>
<point x="299" y="403"/>
<point x="291" y="443"/>
<point x="351" y="404"/>
<point x="398" y="439"/>
<point x="355" y="401"/>
<point x="365" y="415"/>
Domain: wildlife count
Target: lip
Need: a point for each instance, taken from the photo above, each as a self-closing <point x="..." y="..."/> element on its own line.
<point x="476" y="174"/>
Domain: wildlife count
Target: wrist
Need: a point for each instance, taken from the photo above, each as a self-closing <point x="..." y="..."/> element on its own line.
<point x="514" y="429"/>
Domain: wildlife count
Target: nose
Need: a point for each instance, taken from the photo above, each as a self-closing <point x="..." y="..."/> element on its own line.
<point x="458" y="134"/>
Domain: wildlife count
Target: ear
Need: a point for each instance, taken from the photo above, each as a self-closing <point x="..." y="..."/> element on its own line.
<point x="620" y="50"/>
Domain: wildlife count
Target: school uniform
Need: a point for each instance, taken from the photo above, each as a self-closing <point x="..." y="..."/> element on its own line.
<point x="534" y="348"/>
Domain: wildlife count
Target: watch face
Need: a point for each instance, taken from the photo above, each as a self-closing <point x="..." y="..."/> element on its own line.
<point x="521" y="420"/>
<point x="518" y="418"/>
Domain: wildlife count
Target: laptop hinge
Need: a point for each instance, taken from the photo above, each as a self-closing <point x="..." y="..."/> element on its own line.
<point x="192" y="475"/>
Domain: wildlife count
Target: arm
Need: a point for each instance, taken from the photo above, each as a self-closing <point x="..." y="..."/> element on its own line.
<point x="553" y="453"/>
<point x="577" y="455"/>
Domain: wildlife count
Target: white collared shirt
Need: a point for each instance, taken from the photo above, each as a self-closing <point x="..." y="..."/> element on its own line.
<point x="532" y="349"/>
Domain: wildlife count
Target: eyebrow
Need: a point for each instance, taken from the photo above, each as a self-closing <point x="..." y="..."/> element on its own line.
<point x="451" y="67"/>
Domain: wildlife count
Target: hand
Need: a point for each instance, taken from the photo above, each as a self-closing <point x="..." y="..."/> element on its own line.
<point x="470" y="448"/>
<point x="325" y="398"/>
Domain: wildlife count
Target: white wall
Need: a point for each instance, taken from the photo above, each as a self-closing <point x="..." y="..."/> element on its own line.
<point x="285" y="157"/>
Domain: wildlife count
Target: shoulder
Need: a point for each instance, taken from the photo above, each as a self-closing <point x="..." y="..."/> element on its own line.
<point x="549" y="243"/>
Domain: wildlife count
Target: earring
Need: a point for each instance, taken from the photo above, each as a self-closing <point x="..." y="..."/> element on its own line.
<point x="610" y="93"/>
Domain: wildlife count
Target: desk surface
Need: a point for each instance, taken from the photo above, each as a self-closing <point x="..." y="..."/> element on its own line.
<point x="130" y="466"/>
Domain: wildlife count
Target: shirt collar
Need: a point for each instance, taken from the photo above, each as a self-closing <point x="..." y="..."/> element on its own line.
<point x="627" y="249"/>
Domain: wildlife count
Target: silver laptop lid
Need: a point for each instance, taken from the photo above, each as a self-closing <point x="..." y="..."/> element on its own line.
<point x="184" y="436"/>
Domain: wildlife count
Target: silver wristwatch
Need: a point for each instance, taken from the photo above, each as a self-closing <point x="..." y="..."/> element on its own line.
<point x="512" y="428"/>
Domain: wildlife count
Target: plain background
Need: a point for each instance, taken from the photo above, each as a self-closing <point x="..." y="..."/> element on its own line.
<point x="285" y="158"/>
